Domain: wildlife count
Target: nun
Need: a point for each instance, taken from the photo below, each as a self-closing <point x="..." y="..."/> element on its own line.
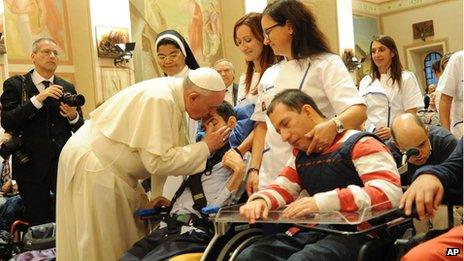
<point x="173" y="54"/>
<point x="176" y="59"/>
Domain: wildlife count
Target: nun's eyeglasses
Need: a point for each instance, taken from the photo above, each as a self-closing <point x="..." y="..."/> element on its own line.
<point x="171" y="56"/>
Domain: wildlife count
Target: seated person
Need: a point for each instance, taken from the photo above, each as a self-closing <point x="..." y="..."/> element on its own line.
<point x="430" y="185"/>
<point x="355" y="172"/>
<point x="186" y="229"/>
<point x="11" y="206"/>
<point x="434" y="143"/>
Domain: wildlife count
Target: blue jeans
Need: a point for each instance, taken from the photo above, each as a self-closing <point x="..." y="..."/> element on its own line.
<point x="10" y="211"/>
<point x="304" y="246"/>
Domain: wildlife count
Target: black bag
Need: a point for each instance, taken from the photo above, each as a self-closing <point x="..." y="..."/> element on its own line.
<point x="5" y="246"/>
<point x="40" y="237"/>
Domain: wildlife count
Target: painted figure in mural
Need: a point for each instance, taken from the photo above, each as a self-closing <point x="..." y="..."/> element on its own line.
<point x="213" y="32"/>
<point x="50" y="22"/>
<point x="27" y="19"/>
<point x="17" y="20"/>
<point x="196" y="30"/>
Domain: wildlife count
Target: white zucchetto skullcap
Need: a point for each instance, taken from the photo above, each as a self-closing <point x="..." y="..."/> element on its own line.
<point x="207" y="78"/>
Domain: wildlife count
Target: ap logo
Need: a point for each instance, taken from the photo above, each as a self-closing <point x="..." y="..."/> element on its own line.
<point x="452" y="251"/>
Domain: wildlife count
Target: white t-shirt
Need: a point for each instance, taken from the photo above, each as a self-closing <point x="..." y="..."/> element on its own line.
<point x="272" y="161"/>
<point x="243" y="98"/>
<point x="327" y="81"/>
<point x="229" y="95"/>
<point x="451" y="84"/>
<point x="396" y="100"/>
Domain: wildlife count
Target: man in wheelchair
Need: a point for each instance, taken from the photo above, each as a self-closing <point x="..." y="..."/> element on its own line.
<point x="432" y="184"/>
<point x="185" y="228"/>
<point x="433" y="144"/>
<point x="355" y="172"/>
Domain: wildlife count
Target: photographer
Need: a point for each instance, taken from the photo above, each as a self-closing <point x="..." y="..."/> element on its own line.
<point x="41" y="122"/>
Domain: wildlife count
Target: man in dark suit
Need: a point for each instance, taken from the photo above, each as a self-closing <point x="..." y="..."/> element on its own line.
<point x="33" y="110"/>
<point x="226" y="69"/>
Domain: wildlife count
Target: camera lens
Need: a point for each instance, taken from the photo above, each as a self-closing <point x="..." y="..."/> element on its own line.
<point x="73" y="99"/>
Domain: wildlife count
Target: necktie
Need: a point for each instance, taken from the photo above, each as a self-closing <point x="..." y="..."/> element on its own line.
<point x="46" y="83"/>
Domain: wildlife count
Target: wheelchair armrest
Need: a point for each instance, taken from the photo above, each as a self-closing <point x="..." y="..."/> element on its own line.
<point x="397" y="213"/>
<point x="146" y="213"/>
<point x="210" y="210"/>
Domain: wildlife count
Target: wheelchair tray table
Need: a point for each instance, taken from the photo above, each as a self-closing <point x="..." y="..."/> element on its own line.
<point x="334" y="222"/>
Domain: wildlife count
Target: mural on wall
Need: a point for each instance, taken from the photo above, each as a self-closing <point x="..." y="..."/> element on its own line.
<point x="113" y="80"/>
<point x="107" y="38"/>
<point x="365" y="29"/>
<point x="200" y="24"/>
<point x="2" y="36"/>
<point x="28" y="20"/>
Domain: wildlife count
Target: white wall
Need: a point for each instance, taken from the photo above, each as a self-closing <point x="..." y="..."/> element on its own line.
<point x="116" y="14"/>
<point x="447" y="23"/>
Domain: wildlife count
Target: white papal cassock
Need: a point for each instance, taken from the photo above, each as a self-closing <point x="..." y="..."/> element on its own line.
<point x="139" y="132"/>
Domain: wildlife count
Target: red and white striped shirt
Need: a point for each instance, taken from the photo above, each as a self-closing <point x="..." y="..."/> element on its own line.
<point x="374" y="164"/>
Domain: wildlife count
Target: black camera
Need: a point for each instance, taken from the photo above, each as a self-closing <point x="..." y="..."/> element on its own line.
<point x="13" y="147"/>
<point x="73" y="100"/>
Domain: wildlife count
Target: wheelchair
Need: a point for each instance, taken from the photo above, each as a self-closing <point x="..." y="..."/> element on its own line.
<point x="385" y="226"/>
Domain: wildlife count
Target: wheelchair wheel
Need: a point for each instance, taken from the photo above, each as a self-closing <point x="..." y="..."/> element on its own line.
<point x="238" y="240"/>
<point x="244" y="245"/>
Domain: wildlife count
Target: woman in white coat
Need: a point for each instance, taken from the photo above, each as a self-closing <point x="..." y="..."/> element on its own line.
<point x="389" y="90"/>
<point x="290" y="29"/>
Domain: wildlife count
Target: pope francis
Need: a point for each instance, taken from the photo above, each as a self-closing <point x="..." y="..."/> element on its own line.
<point x="140" y="131"/>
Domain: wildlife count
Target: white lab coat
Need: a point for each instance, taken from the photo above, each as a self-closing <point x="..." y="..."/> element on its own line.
<point x="451" y="83"/>
<point x="396" y="100"/>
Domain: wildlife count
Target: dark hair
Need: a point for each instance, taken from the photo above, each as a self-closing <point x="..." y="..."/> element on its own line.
<point x="307" y="38"/>
<point x="395" y="68"/>
<point x="190" y="60"/>
<point x="294" y="99"/>
<point x="417" y="120"/>
<point x="444" y="60"/>
<point x="225" y="110"/>
<point x="436" y="66"/>
<point x="253" y="21"/>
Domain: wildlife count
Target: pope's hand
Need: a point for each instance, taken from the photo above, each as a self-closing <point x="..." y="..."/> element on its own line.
<point x="217" y="139"/>
<point x="158" y="202"/>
